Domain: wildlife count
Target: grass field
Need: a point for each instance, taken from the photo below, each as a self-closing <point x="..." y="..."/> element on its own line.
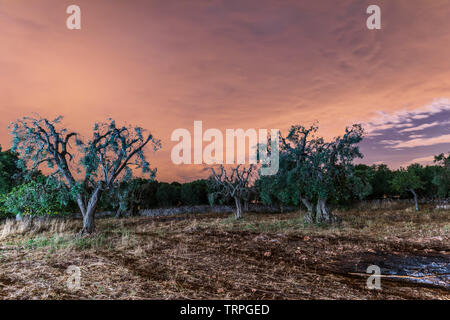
<point x="211" y="256"/>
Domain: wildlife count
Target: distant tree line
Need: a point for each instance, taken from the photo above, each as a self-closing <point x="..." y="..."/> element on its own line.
<point x="372" y="182"/>
<point x="43" y="195"/>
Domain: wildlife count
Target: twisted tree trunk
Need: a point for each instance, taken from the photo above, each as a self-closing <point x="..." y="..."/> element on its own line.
<point x="310" y="214"/>
<point x="322" y="213"/>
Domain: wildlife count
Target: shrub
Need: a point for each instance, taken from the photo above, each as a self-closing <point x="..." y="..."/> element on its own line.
<point x="37" y="198"/>
<point x="168" y="194"/>
<point x="194" y="193"/>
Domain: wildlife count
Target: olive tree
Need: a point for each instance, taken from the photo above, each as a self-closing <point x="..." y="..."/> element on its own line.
<point x="330" y="171"/>
<point x="442" y="176"/>
<point x="108" y="156"/>
<point x="408" y="180"/>
<point x="234" y="184"/>
<point x="315" y="171"/>
<point x="287" y="186"/>
<point x="127" y="196"/>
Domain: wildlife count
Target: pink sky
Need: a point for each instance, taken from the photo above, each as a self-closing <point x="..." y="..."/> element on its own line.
<point x="232" y="64"/>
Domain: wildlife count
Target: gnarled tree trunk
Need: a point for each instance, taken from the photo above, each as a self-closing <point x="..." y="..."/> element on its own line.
<point x="310" y="214"/>
<point x="322" y="213"/>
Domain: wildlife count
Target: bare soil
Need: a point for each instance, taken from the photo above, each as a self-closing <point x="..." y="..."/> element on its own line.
<point x="211" y="256"/>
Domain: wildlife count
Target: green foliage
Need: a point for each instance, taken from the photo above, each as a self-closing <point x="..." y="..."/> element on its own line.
<point x="380" y="177"/>
<point x="407" y="179"/>
<point x="442" y="175"/>
<point x="312" y="169"/>
<point x="103" y="157"/>
<point x="426" y="175"/>
<point x="9" y="171"/>
<point x="129" y="195"/>
<point x="139" y="193"/>
<point x="194" y="193"/>
<point x="355" y="186"/>
<point x="169" y="195"/>
<point x="43" y="196"/>
<point x="149" y="199"/>
<point x="282" y="188"/>
<point x="433" y="181"/>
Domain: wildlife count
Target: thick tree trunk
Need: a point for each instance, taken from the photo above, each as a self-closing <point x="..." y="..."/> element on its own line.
<point x="322" y="213"/>
<point x="88" y="223"/>
<point x="310" y="214"/>
<point x="416" y="203"/>
<point x="89" y="215"/>
<point x="238" y="208"/>
<point x="319" y="211"/>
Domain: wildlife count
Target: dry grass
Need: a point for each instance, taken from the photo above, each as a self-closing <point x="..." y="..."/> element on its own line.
<point x="271" y="256"/>
<point x="11" y="228"/>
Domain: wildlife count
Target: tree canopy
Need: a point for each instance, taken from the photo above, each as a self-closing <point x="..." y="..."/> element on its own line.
<point x="9" y="171"/>
<point x="110" y="154"/>
<point x="314" y="170"/>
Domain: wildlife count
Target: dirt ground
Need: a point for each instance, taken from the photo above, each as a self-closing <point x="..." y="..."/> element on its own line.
<point x="210" y="256"/>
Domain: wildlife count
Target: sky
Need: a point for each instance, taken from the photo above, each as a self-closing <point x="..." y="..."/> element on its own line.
<point x="234" y="64"/>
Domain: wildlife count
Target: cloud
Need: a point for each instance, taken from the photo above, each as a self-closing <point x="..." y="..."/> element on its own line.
<point x="408" y="134"/>
<point x="421" y="127"/>
<point x="405" y="118"/>
<point x="391" y="142"/>
<point x="414" y="136"/>
<point x="422" y="142"/>
<point x="420" y="116"/>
